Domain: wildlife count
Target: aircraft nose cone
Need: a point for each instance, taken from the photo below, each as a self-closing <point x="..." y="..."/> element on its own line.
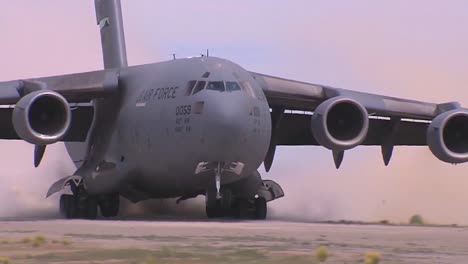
<point x="225" y="127"/>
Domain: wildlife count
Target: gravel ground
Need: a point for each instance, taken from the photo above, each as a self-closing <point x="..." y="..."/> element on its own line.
<point x="100" y="241"/>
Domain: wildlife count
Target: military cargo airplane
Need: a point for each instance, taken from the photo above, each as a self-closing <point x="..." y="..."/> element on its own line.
<point x="121" y="125"/>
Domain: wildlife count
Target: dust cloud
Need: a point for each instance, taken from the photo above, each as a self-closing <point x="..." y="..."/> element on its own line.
<point x="23" y="187"/>
<point x="166" y="209"/>
<point x="365" y="190"/>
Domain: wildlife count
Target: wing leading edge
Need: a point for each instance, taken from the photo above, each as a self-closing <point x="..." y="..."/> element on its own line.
<point x="296" y="95"/>
<point x="78" y="89"/>
<point x="301" y="115"/>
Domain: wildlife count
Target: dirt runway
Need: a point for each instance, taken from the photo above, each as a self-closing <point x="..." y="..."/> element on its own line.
<point x="79" y="241"/>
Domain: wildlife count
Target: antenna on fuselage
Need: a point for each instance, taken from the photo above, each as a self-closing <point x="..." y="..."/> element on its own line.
<point x="205" y="55"/>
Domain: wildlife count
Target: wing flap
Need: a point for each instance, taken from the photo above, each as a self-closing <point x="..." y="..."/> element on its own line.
<point x="295" y="130"/>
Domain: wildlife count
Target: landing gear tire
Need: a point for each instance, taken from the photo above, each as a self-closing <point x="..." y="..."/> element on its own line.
<point x="109" y="205"/>
<point x="81" y="206"/>
<point x="213" y="206"/>
<point x="68" y="206"/>
<point x="91" y="209"/>
<point x="260" y="208"/>
<point x="215" y="211"/>
<point x="240" y="209"/>
<point x="217" y="208"/>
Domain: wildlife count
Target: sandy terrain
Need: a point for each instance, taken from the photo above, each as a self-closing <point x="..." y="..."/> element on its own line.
<point x="225" y="242"/>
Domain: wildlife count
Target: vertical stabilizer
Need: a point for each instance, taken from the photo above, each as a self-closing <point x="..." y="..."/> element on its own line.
<point x="109" y="19"/>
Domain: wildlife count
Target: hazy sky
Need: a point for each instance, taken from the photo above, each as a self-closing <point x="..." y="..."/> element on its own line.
<point x="416" y="49"/>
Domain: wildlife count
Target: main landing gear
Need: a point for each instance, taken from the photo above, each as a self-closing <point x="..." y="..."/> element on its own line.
<point x="228" y="206"/>
<point x="81" y="205"/>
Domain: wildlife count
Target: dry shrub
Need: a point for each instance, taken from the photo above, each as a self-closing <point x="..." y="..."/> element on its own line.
<point x="416" y="220"/>
<point x="4" y="260"/>
<point x="372" y="258"/>
<point x="26" y="240"/>
<point x="38" y="240"/>
<point x="322" y="254"/>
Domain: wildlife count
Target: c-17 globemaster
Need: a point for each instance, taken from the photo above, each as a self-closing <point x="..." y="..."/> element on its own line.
<point x="202" y="126"/>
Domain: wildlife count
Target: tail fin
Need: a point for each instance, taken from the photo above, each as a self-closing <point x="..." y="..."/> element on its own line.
<point x="109" y="19"/>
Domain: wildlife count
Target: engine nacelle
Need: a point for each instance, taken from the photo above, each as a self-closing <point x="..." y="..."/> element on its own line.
<point x="447" y="136"/>
<point x="340" y="123"/>
<point x="42" y="117"/>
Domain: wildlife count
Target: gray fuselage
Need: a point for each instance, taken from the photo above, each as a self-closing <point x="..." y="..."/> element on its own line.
<point x="164" y="129"/>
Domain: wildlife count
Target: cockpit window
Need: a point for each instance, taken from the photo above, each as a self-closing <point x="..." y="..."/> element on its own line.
<point x="217" y="86"/>
<point x="248" y="89"/>
<point x="200" y="86"/>
<point x="232" y="86"/>
<point x="190" y="86"/>
<point x="194" y="87"/>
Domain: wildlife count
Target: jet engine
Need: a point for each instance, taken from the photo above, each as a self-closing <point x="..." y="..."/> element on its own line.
<point x="41" y="117"/>
<point x="447" y="136"/>
<point x="340" y="123"/>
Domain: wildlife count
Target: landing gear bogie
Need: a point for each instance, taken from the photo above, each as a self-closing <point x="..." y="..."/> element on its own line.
<point x="73" y="207"/>
<point x="82" y="205"/>
<point x="109" y="204"/>
<point x="260" y="208"/>
<point x="228" y="206"/>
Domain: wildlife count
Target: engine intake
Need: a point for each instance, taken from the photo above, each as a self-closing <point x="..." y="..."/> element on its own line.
<point x="340" y="123"/>
<point x="447" y="136"/>
<point x="42" y="117"/>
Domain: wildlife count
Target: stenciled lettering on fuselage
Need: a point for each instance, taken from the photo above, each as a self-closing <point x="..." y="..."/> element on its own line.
<point x="156" y="94"/>
<point x="255" y="114"/>
<point x="182" y="120"/>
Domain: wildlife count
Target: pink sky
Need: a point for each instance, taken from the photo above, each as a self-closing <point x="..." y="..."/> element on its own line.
<point x="416" y="49"/>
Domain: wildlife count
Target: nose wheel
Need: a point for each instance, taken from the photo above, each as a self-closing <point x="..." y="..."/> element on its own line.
<point x="218" y="203"/>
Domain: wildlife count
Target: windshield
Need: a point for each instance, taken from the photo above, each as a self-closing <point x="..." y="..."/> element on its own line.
<point x="200" y="86"/>
<point x="232" y="86"/>
<point x="217" y="86"/>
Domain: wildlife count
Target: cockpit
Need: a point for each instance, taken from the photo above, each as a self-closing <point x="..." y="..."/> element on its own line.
<point x="196" y="86"/>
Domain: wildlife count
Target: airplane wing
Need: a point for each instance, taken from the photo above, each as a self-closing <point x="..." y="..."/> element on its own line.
<point x="306" y="114"/>
<point x="78" y="90"/>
